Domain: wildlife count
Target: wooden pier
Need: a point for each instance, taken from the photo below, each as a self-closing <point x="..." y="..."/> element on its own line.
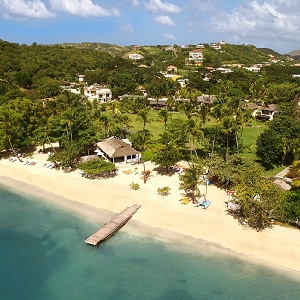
<point x="112" y="226"/>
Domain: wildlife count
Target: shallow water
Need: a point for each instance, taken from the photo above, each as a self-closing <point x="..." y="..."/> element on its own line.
<point x="43" y="256"/>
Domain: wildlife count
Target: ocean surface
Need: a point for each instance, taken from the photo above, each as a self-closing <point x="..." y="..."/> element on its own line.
<point x="43" y="256"/>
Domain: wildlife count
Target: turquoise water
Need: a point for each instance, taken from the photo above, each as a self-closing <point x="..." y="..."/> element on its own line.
<point x="43" y="256"/>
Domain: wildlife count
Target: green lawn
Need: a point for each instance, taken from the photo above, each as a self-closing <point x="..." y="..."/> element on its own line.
<point x="249" y="138"/>
<point x="155" y="126"/>
<point x="249" y="135"/>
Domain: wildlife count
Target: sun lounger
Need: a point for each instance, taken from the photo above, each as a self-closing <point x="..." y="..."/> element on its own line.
<point x="203" y="203"/>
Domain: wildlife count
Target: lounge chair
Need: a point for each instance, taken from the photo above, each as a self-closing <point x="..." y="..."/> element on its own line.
<point x="203" y="203"/>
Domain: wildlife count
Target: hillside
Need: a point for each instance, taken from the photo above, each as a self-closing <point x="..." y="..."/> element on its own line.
<point x="269" y="51"/>
<point x="229" y="53"/>
<point x="295" y="54"/>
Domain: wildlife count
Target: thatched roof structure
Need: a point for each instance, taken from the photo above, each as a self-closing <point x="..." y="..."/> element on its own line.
<point x="114" y="147"/>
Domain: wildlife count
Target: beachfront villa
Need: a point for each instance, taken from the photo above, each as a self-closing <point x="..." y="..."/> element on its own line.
<point x="119" y="150"/>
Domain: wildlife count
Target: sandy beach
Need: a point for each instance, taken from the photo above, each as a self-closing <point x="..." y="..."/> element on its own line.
<point x="277" y="247"/>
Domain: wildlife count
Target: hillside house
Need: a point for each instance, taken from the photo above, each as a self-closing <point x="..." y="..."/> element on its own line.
<point x="98" y="92"/>
<point x="81" y="78"/>
<point x="172" y="70"/>
<point x="215" y="46"/>
<point x="252" y="69"/>
<point x="224" y="70"/>
<point x="142" y="90"/>
<point x="135" y="56"/>
<point x="196" y="56"/>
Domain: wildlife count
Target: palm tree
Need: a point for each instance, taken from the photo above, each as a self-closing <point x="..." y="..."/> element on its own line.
<point x="140" y="140"/>
<point x="164" y="116"/>
<point x="235" y="104"/>
<point x="106" y="122"/>
<point x="194" y="130"/>
<point x="143" y="116"/>
<point x="172" y="104"/>
<point x="216" y="112"/>
<point x="189" y="108"/>
<point x="112" y="107"/>
<point x="124" y="122"/>
<point x="67" y="120"/>
<point x="190" y="180"/>
<point x="227" y="128"/>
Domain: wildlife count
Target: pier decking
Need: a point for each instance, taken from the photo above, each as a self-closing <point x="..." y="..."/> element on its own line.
<point x="112" y="226"/>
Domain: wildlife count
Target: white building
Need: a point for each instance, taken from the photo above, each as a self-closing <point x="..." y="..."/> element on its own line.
<point x="252" y="69"/>
<point x="224" y="70"/>
<point x="81" y="78"/>
<point x="196" y="56"/>
<point x="135" y="56"/>
<point x="98" y="92"/>
<point x="215" y="46"/>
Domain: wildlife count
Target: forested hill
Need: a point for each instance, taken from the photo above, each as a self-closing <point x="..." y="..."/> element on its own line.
<point x="245" y="54"/>
<point x="85" y="54"/>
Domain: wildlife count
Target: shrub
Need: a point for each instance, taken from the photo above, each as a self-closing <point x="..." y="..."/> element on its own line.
<point x="97" y="168"/>
<point x="163" y="191"/>
<point x="134" y="186"/>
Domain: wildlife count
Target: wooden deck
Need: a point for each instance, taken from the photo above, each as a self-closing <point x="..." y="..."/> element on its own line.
<point x="112" y="226"/>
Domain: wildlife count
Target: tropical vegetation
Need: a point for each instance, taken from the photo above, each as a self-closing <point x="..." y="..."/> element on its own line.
<point x="239" y="151"/>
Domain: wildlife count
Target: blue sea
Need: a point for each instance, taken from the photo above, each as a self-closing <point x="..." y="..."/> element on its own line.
<point x="43" y="256"/>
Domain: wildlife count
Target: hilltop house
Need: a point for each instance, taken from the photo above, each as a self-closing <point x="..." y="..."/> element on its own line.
<point x="215" y="46"/>
<point x="98" y="92"/>
<point x="118" y="150"/>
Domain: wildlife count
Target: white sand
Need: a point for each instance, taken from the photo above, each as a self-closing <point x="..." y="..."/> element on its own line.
<point x="279" y="246"/>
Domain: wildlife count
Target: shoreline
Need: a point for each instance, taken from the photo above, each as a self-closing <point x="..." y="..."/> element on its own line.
<point x="163" y="218"/>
